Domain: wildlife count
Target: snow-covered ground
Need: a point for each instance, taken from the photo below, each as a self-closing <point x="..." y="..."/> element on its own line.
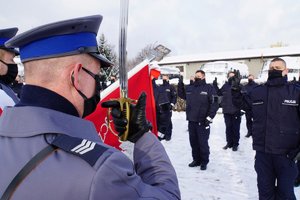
<point x="229" y="175"/>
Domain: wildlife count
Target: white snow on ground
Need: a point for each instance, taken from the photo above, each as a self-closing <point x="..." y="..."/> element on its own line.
<point x="229" y="175"/>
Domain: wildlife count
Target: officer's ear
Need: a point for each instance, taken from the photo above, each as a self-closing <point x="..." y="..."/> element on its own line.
<point x="75" y="80"/>
<point x="285" y="71"/>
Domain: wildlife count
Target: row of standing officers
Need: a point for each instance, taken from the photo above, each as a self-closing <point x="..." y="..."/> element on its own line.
<point x="202" y="103"/>
<point x="272" y="118"/>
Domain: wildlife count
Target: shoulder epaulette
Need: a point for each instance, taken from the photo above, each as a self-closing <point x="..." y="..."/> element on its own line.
<point x="85" y="149"/>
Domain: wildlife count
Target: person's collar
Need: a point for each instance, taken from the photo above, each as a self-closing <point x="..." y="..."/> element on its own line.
<point x="41" y="97"/>
<point x="251" y="82"/>
<point x="200" y="82"/>
<point x="277" y="81"/>
<point x="166" y="83"/>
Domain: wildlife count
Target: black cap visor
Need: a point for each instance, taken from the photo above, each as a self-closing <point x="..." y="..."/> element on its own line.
<point x="104" y="61"/>
<point x="94" y="51"/>
<point x="12" y="50"/>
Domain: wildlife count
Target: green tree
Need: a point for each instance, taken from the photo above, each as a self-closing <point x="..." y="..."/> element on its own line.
<point x="108" y="51"/>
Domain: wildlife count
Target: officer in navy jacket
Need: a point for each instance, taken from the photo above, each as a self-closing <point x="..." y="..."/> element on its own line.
<point x="201" y="108"/>
<point x="276" y="127"/>
<point x="155" y="88"/>
<point x="297" y="181"/>
<point x="247" y="89"/>
<point x="166" y="98"/>
<point x="8" y="69"/>
<point x="232" y="113"/>
<point x="61" y="63"/>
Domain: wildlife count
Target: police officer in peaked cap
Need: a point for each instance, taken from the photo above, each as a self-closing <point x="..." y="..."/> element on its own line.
<point x="8" y="69"/>
<point x="62" y="63"/>
<point x="5" y="35"/>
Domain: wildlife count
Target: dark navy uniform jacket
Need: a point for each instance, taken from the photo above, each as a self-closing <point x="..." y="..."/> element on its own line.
<point x="246" y="89"/>
<point x="155" y="93"/>
<point x="166" y="94"/>
<point x="200" y="100"/>
<point x="42" y="116"/>
<point x="249" y="86"/>
<point x="276" y="116"/>
<point x="227" y="103"/>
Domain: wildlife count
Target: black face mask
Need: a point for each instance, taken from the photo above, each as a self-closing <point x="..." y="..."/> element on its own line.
<point x="90" y="104"/>
<point x="191" y="82"/>
<point x="12" y="72"/>
<point x="274" y="74"/>
<point x="250" y="80"/>
<point x="165" y="81"/>
<point x="230" y="80"/>
<point x="197" y="80"/>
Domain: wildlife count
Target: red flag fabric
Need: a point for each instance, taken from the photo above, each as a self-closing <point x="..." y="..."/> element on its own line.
<point x="138" y="81"/>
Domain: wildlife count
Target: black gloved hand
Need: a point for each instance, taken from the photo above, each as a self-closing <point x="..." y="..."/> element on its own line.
<point x="294" y="154"/>
<point x="242" y="113"/>
<point x="138" y="124"/>
<point x="236" y="79"/>
<point x="215" y="82"/>
<point x="208" y="121"/>
<point x="172" y="106"/>
<point x="180" y="80"/>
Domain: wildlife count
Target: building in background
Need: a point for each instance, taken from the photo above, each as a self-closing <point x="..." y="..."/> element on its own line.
<point x="219" y="70"/>
<point x="292" y="63"/>
<point x="253" y="58"/>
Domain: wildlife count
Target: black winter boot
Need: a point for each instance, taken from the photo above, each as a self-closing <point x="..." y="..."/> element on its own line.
<point x="194" y="164"/>
<point x="297" y="182"/>
<point x="227" y="146"/>
<point x="248" y="135"/>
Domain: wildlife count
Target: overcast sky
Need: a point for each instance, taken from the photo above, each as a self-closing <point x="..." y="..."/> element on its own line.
<point x="184" y="26"/>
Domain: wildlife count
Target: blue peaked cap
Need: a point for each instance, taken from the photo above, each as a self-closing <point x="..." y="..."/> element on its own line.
<point x="63" y="38"/>
<point x="6" y="34"/>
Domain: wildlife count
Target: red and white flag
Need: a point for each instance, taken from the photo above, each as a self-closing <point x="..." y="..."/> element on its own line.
<point x="138" y="81"/>
<point x="5" y="100"/>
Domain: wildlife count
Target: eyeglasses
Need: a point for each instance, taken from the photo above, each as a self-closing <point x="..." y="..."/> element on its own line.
<point x="95" y="76"/>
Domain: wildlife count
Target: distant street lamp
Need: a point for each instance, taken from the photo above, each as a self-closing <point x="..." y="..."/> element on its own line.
<point x="160" y="51"/>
